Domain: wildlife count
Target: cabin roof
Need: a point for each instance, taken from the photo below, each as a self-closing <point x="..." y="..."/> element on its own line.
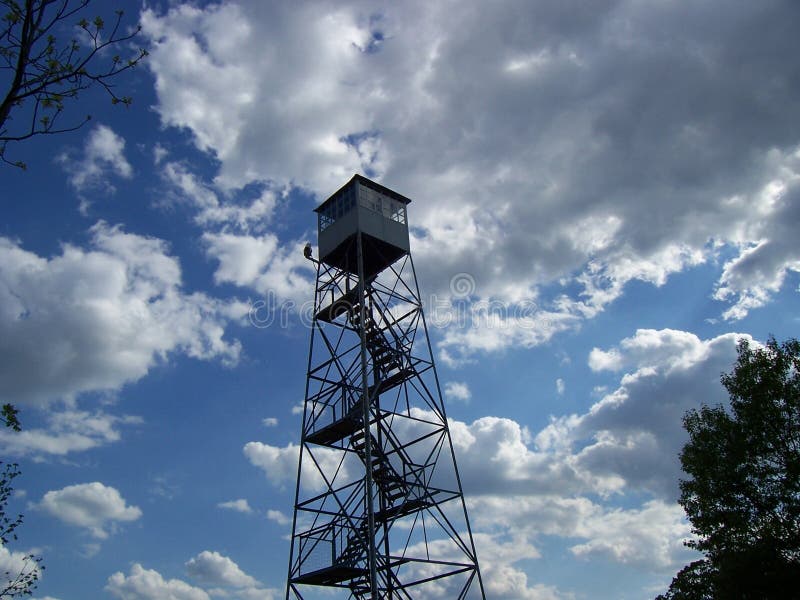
<point x="367" y="183"/>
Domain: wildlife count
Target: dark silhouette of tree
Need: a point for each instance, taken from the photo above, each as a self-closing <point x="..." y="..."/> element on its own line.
<point x="20" y="582"/>
<point x="42" y="71"/>
<point x="742" y="494"/>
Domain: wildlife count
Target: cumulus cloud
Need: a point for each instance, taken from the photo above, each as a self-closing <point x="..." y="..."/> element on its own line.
<point x="501" y="578"/>
<point x="628" y="439"/>
<point x="650" y="536"/>
<point x="216" y="208"/>
<point x="214" y="569"/>
<point x="457" y="390"/>
<point x="498" y="455"/>
<point x="515" y="326"/>
<point x="209" y="66"/>
<point x="93" y="506"/>
<point x="103" y="155"/>
<point x="222" y="577"/>
<point x="637" y="429"/>
<point x="593" y="148"/>
<point x="280" y="464"/>
<point x="67" y="431"/>
<point x="668" y="349"/>
<point x="148" y="584"/>
<point x="278" y="517"/>
<point x="762" y="265"/>
<point x="261" y="263"/>
<point x="95" y="319"/>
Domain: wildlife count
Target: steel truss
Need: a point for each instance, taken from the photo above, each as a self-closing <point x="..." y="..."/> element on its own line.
<point x="379" y="510"/>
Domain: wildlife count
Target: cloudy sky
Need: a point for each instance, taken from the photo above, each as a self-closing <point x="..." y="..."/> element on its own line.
<point x="605" y="198"/>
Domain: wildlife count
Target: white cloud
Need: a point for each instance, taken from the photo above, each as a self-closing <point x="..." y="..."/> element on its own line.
<point x="637" y="429"/>
<point x="210" y="568"/>
<point x="103" y="155"/>
<point x="224" y="578"/>
<point x="280" y="464"/>
<point x="159" y="153"/>
<point x="650" y="536"/>
<point x="241" y="505"/>
<point x="93" y="506"/>
<point x="214" y="569"/>
<point x="279" y="272"/>
<point x="487" y="329"/>
<point x="278" y="517"/>
<point x="96" y="319"/>
<point x="148" y="584"/>
<point x="628" y="440"/>
<point x="501" y="578"/>
<point x="457" y="390"/>
<point x="270" y="422"/>
<point x="215" y="207"/>
<point x="762" y="265"/>
<point x="603" y="179"/>
<point x="666" y="348"/>
<point x="560" y="386"/>
<point x="494" y="457"/>
<point x="194" y="63"/>
<point x="67" y="431"/>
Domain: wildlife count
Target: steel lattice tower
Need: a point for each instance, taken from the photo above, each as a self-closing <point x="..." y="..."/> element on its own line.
<point x="379" y="510"/>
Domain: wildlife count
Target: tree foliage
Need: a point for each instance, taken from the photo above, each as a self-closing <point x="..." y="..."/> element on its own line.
<point x="742" y="493"/>
<point x="21" y="581"/>
<point x="41" y="71"/>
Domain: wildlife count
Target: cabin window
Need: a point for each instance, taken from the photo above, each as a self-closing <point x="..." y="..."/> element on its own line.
<point x="337" y="208"/>
<point x="365" y="197"/>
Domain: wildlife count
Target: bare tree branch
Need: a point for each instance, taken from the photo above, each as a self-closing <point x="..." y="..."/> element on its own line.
<point x="47" y="71"/>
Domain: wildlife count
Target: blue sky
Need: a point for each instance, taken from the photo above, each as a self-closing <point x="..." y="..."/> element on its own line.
<point x="616" y="183"/>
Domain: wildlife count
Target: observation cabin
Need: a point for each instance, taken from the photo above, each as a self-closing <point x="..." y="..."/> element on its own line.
<point x="377" y="213"/>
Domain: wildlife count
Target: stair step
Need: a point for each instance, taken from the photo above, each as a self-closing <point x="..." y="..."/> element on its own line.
<point x="401" y="510"/>
<point x="338" y="307"/>
<point x="391" y="381"/>
<point x="336" y="431"/>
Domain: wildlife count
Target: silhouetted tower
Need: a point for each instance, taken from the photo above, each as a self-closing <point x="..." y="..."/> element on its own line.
<point x="379" y="511"/>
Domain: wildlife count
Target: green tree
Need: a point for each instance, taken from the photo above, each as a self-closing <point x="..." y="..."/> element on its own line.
<point x="41" y="71"/>
<point x="22" y="581"/>
<point x="742" y="493"/>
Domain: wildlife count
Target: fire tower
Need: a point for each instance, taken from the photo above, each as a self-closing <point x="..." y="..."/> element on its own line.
<point x="379" y="511"/>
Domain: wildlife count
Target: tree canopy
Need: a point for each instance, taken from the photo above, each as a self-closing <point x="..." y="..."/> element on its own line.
<point x="742" y="491"/>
